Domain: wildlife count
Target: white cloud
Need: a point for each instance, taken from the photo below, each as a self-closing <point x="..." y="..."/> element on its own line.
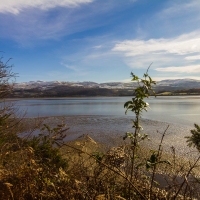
<point x="175" y="77"/>
<point x="182" y="45"/>
<point x="32" y="25"/>
<point x="70" y="67"/>
<point x="170" y="56"/>
<point x="97" y="47"/>
<point x="192" y="58"/>
<point x="16" y="6"/>
<point x="184" y="69"/>
<point x="180" y="8"/>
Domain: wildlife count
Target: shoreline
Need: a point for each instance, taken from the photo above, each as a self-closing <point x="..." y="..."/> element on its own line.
<point x="110" y="130"/>
<point x="68" y="97"/>
<point x="78" y="96"/>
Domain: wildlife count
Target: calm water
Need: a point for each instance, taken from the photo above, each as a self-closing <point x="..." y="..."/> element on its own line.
<point x="182" y="110"/>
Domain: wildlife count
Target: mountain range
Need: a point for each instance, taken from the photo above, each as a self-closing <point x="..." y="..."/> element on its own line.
<point x="180" y="83"/>
<point x="87" y="88"/>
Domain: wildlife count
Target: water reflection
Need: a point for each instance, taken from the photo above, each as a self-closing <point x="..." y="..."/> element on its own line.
<point x="183" y="110"/>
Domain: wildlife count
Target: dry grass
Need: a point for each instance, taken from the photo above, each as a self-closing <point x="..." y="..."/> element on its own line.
<point x="108" y="177"/>
<point x="85" y="169"/>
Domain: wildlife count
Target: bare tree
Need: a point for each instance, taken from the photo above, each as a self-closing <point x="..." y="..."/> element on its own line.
<point x="7" y="78"/>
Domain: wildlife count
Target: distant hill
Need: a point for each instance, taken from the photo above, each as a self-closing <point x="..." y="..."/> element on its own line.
<point x="178" y="87"/>
<point x="87" y="88"/>
<point x="180" y="83"/>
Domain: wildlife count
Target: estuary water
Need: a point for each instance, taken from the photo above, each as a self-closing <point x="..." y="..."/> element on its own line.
<point x="172" y="109"/>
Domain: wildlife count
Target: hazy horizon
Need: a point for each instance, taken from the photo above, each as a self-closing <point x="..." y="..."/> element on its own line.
<point x="173" y="79"/>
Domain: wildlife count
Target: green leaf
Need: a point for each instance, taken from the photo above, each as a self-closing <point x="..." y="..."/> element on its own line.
<point x="148" y="165"/>
<point x="135" y="78"/>
<point x="139" y="165"/>
<point x="165" y="161"/>
<point x="98" y="156"/>
<point x="127" y="103"/>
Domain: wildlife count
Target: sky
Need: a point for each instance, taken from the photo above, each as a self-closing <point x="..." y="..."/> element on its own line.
<point x="100" y="40"/>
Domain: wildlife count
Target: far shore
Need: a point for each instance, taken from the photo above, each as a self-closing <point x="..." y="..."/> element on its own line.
<point x="78" y="96"/>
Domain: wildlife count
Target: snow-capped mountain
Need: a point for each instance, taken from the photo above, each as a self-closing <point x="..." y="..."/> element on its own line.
<point x="87" y="88"/>
<point x="85" y="84"/>
<point x="180" y="83"/>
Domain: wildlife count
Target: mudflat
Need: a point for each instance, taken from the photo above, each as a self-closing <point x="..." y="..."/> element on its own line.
<point x="110" y="130"/>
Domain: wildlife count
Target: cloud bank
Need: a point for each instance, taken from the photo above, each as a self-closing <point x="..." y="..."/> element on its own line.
<point x="170" y="55"/>
<point x="16" y="6"/>
<point x="184" y="69"/>
<point x="182" y="45"/>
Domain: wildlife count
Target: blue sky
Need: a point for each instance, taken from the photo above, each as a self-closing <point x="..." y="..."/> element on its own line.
<point x="100" y="40"/>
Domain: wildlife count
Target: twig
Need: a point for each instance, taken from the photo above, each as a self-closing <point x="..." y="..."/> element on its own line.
<point x="154" y="168"/>
<point x="108" y="167"/>
<point x="191" y="168"/>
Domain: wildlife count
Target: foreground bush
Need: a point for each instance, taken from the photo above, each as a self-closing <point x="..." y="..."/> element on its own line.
<point x="31" y="167"/>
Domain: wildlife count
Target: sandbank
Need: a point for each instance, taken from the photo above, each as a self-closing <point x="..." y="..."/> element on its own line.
<point x="110" y="130"/>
